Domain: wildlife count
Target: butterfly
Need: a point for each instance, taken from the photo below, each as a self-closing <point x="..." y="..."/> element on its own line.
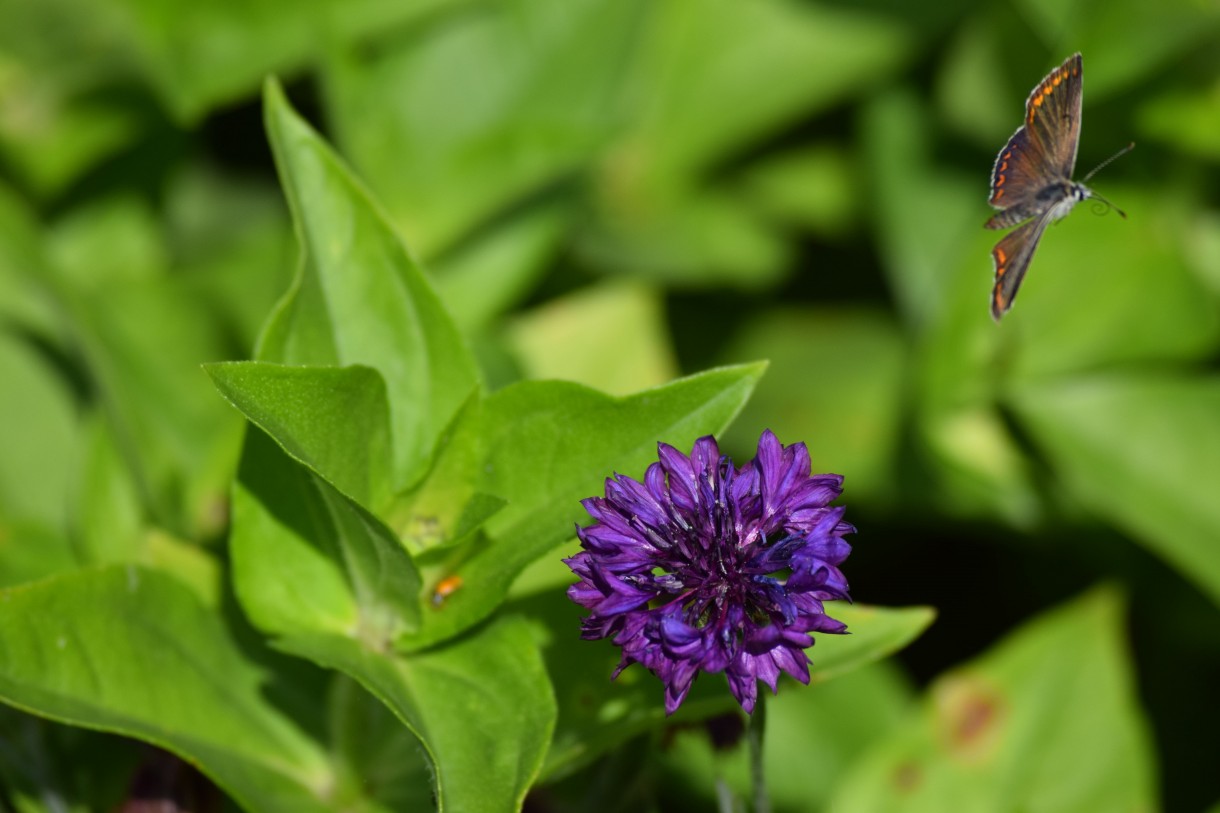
<point x="1031" y="181"/>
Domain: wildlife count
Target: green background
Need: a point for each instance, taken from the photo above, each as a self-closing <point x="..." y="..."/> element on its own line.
<point x="617" y="193"/>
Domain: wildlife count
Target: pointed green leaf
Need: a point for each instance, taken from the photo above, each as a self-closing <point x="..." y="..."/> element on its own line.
<point x="1048" y="721"/>
<point x="597" y="714"/>
<point x="132" y="651"/>
<point x="1141" y="451"/>
<point x="307" y="560"/>
<point x="543" y="447"/>
<point x="481" y="706"/>
<point x="331" y="419"/>
<point x="359" y="298"/>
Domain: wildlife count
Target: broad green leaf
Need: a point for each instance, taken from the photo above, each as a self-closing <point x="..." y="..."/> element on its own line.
<point x="545" y="446"/>
<point x="597" y="714"/>
<point x="494" y="268"/>
<point x="376" y="751"/>
<point x="58" y="59"/>
<point x="875" y="632"/>
<point x="813" y="735"/>
<point x="836" y="381"/>
<point x="697" y="238"/>
<point x="815" y="188"/>
<point x="481" y="706"/>
<point x="131" y="651"/>
<point x="112" y="242"/>
<point x="712" y="78"/>
<point x="38" y="433"/>
<point x="309" y="561"/>
<point x="1144" y="303"/>
<point x="492" y="106"/>
<point x="925" y="213"/>
<point x="1156" y="35"/>
<point x="360" y="299"/>
<point x="767" y="62"/>
<point x="108" y="515"/>
<point x="214" y="53"/>
<point x="141" y="334"/>
<point x="30" y="551"/>
<point x="1185" y="120"/>
<point x="332" y="420"/>
<point x="971" y="89"/>
<point x="1141" y="451"/>
<point x="1201" y="239"/>
<point x="1048" y="720"/>
<point x="612" y="337"/>
<point x="232" y="241"/>
<point x="23" y="298"/>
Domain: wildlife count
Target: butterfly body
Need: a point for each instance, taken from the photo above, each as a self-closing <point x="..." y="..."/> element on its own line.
<point x="1061" y="197"/>
<point x="1031" y="181"/>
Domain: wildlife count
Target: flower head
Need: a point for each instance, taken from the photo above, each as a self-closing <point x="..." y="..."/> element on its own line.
<point x="704" y="567"/>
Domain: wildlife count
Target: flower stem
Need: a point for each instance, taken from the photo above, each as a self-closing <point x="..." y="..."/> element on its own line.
<point x="754" y="738"/>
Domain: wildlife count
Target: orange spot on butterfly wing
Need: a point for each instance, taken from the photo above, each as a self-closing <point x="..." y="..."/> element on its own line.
<point x="999" y="193"/>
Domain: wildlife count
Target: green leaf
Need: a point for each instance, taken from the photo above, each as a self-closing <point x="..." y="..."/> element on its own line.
<point x="1184" y="120"/>
<point x="875" y="632"/>
<point x="494" y="105"/>
<point x="836" y="381"/>
<point x="813" y="735"/>
<point x="545" y="446"/>
<point x="1048" y="720"/>
<point x="565" y="338"/>
<point x="810" y="741"/>
<point x="481" y="706"/>
<point x="1105" y="262"/>
<point x="131" y="651"/>
<point x="142" y="342"/>
<point x="332" y="569"/>
<point x="694" y="238"/>
<point x="23" y="299"/>
<point x="769" y="62"/>
<point x="1157" y="36"/>
<point x="108" y="516"/>
<point x="333" y="420"/>
<point x="58" y="59"/>
<point x="597" y="714"/>
<point x="376" y="751"/>
<point x="360" y="299"/>
<point x="216" y="53"/>
<point x="498" y="266"/>
<point x="926" y="214"/>
<point x="38" y="433"/>
<point x="1141" y="451"/>
<point x="815" y="188"/>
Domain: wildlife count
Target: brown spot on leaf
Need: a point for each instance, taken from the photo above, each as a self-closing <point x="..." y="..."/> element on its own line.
<point x="907" y="776"/>
<point x="969" y="715"/>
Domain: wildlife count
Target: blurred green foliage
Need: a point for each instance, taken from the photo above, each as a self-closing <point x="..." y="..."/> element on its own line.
<point x="613" y="193"/>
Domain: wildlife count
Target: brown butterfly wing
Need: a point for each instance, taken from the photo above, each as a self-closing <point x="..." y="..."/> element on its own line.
<point x="1011" y="257"/>
<point x="1042" y="150"/>
<point x="1052" y="117"/>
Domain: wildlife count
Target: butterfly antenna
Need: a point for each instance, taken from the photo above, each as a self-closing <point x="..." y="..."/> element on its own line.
<point x="1108" y="204"/>
<point x="1106" y="163"/>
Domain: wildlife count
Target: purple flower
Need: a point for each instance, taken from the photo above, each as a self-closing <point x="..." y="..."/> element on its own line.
<point x="704" y="567"/>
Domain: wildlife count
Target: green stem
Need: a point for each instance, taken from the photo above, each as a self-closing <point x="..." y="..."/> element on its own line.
<point x="755" y="730"/>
